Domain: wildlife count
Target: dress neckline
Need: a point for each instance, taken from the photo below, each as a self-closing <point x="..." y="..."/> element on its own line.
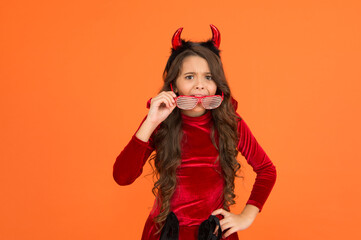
<point x="205" y="118"/>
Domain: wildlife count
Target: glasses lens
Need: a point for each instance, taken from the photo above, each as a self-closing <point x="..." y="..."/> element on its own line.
<point x="187" y="103"/>
<point x="211" y="102"/>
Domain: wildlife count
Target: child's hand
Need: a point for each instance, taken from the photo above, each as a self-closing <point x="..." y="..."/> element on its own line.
<point x="233" y="222"/>
<point x="161" y="106"/>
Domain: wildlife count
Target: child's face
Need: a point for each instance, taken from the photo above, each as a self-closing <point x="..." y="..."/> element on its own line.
<point x="195" y="79"/>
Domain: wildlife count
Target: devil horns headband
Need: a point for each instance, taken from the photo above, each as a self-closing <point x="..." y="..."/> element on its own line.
<point x="177" y="42"/>
<point x="179" y="45"/>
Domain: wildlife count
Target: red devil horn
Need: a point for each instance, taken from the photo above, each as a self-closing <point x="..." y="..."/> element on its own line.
<point x="216" y="36"/>
<point x="176" y="41"/>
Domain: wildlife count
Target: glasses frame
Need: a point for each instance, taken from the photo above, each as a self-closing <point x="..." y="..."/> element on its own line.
<point x="200" y="99"/>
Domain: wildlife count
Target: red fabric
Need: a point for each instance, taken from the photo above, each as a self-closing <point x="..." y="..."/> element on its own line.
<point x="200" y="181"/>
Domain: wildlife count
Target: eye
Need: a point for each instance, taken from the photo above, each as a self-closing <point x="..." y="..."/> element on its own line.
<point x="189" y="77"/>
<point x="209" y="77"/>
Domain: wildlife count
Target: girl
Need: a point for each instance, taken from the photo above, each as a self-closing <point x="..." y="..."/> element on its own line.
<point x="193" y="126"/>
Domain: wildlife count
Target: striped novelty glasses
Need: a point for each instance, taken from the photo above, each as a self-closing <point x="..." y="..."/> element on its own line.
<point x="189" y="102"/>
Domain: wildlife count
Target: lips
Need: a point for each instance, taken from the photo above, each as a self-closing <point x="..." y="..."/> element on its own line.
<point x="198" y="95"/>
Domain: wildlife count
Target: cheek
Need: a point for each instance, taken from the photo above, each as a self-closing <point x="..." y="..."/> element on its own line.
<point x="213" y="89"/>
<point x="184" y="86"/>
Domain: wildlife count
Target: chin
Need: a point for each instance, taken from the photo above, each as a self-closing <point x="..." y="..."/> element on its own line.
<point x="199" y="110"/>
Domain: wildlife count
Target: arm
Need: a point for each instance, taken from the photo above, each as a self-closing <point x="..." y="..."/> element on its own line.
<point x="261" y="164"/>
<point x="129" y="163"/>
<point x="266" y="177"/>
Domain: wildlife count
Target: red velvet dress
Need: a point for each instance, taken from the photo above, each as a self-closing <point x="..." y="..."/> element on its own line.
<point x="200" y="181"/>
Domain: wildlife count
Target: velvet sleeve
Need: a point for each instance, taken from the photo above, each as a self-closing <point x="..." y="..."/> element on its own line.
<point x="129" y="163"/>
<point x="261" y="164"/>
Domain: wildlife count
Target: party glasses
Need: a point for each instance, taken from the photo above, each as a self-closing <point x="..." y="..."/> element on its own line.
<point x="189" y="102"/>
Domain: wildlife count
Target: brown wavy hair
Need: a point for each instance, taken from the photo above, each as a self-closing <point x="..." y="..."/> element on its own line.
<point x="168" y="137"/>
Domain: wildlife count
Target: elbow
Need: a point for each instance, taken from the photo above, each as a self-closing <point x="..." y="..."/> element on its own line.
<point x="268" y="173"/>
<point x="274" y="173"/>
<point x="124" y="177"/>
<point x="122" y="180"/>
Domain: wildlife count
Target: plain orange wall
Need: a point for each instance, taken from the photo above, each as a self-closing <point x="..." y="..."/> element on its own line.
<point x="75" y="78"/>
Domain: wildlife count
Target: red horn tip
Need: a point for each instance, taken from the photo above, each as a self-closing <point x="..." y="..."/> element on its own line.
<point x="176" y="41"/>
<point x="216" y="36"/>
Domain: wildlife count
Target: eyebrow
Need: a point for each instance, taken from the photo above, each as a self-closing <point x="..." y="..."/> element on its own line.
<point x="195" y="73"/>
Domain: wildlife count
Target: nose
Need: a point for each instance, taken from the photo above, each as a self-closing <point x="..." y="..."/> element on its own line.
<point x="199" y="84"/>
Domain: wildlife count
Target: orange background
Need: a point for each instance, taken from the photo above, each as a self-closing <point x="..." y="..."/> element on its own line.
<point x="75" y="78"/>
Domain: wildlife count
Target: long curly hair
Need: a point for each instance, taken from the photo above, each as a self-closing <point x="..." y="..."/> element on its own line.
<point x="167" y="139"/>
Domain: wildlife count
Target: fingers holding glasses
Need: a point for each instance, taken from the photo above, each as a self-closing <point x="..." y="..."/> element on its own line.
<point x="160" y="107"/>
<point x="170" y="97"/>
<point x="165" y="98"/>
